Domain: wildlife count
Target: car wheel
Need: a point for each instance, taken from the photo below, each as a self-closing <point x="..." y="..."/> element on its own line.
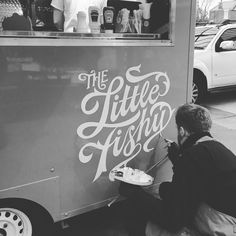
<point x="198" y="91"/>
<point x="14" y="222"/>
<point x="25" y="219"/>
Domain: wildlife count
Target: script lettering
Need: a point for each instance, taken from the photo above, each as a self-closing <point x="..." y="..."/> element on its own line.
<point x="129" y="113"/>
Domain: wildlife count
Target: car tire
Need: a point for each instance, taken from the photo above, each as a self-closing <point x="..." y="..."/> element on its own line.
<point x="199" y="90"/>
<point x="25" y="218"/>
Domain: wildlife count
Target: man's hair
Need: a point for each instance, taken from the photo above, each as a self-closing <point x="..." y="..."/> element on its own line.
<point x="193" y="118"/>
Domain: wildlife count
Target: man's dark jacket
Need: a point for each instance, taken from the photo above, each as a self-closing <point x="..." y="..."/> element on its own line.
<point x="205" y="172"/>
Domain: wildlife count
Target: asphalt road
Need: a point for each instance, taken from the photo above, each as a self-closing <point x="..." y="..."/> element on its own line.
<point x="225" y="101"/>
<point x="223" y="110"/>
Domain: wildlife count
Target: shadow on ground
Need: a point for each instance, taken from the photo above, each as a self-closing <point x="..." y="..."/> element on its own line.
<point x="107" y="221"/>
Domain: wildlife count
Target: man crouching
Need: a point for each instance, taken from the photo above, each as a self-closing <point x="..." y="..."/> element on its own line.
<point x="201" y="196"/>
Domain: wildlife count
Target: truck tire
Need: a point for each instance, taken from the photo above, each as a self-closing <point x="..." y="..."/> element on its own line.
<point x="24" y="218"/>
<point x="199" y="89"/>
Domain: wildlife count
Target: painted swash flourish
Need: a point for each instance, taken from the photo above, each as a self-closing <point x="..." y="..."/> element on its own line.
<point x="129" y="113"/>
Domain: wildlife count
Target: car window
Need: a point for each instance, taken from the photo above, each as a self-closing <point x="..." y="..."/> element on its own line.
<point x="204" y="35"/>
<point x="228" y="35"/>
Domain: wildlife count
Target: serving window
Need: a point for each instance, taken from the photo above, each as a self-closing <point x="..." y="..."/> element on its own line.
<point x="139" y="20"/>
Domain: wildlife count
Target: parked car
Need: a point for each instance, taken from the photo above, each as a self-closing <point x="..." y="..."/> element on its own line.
<point x="214" y="60"/>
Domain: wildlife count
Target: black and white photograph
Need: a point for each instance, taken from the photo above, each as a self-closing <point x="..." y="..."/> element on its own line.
<point x="118" y="117"/>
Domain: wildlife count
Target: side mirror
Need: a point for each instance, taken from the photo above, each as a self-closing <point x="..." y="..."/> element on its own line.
<point x="228" y="45"/>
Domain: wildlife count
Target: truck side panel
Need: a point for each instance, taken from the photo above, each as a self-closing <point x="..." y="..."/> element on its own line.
<point x="73" y="113"/>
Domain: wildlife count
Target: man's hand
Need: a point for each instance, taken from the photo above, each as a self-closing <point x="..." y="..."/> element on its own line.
<point x="173" y="152"/>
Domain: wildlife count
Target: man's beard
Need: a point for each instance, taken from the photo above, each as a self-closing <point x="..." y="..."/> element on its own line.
<point x="179" y="138"/>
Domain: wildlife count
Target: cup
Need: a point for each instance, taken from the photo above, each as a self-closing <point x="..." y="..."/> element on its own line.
<point x="146" y="7"/>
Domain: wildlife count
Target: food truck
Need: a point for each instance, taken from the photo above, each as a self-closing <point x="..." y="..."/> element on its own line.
<point x="75" y="105"/>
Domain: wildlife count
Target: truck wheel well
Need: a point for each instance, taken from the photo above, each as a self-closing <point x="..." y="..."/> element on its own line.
<point x="39" y="218"/>
<point x="199" y="86"/>
<point x="23" y="202"/>
<point x="199" y="76"/>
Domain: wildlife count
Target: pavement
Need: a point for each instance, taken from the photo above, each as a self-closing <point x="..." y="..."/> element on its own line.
<point x="108" y="221"/>
<point x="224" y="125"/>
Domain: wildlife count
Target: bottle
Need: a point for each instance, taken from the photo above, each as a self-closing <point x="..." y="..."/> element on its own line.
<point x="145" y="7"/>
<point x="102" y="30"/>
<point x="82" y="26"/>
<point x="94" y="19"/>
<point x="108" y="18"/>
